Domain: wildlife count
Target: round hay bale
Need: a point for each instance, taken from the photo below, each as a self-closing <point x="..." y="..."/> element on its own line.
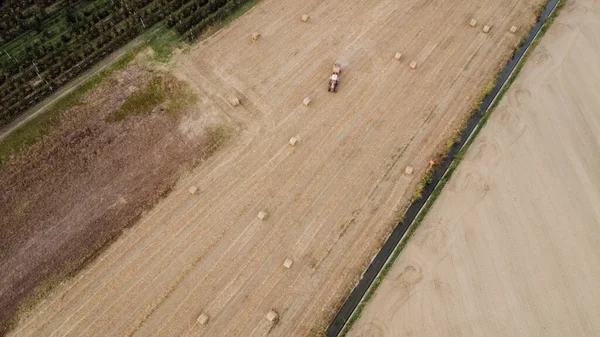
<point x="305" y="17"/>
<point x="513" y="29"/>
<point x="398" y="56"/>
<point x="294" y="141"/>
<point x="255" y="36"/>
<point x="306" y="101"/>
<point x="234" y="101"/>
<point x="408" y="170"/>
<point x="288" y="263"/>
<point x="202" y="319"/>
<point x="272" y="316"/>
<point x="262" y="215"/>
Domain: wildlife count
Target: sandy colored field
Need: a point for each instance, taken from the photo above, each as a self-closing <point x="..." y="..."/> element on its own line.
<point x="511" y="246"/>
<point x="330" y="200"/>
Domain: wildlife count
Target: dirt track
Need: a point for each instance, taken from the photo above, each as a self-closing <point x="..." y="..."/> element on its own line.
<point x="511" y="246"/>
<point x="330" y="200"/>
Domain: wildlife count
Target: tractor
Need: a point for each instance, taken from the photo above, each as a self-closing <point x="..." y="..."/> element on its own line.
<point x="334" y="80"/>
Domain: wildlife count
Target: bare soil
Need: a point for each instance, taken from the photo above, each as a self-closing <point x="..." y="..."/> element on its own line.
<point x="64" y="198"/>
<point x="331" y="199"/>
<point x="511" y="246"/>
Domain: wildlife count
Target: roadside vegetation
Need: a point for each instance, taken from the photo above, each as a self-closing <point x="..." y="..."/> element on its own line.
<point x="44" y="44"/>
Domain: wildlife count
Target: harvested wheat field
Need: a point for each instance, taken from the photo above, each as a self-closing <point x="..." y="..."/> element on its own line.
<point x="510" y="247"/>
<point x="204" y="264"/>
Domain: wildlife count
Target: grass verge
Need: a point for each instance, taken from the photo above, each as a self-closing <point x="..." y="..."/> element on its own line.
<point x="163" y="41"/>
<point x="444" y="180"/>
